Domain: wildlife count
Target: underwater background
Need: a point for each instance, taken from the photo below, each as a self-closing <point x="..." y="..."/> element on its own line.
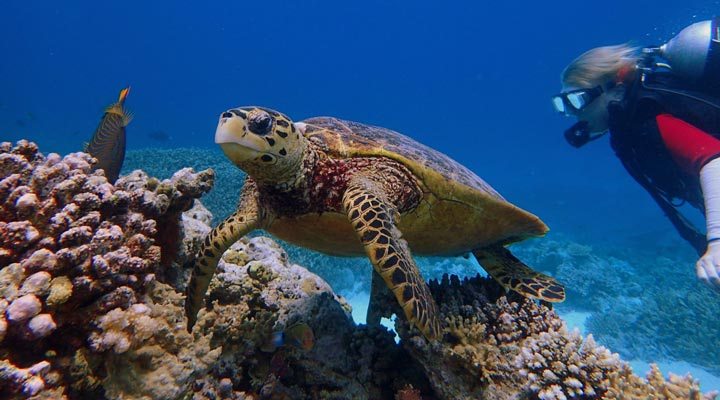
<point x="470" y="79"/>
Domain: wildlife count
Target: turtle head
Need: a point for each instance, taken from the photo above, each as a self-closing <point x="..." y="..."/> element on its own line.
<point x="264" y="143"/>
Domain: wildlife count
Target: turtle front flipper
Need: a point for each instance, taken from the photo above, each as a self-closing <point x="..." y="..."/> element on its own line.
<point x="372" y="217"/>
<point x="513" y="274"/>
<point x="245" y="219"/>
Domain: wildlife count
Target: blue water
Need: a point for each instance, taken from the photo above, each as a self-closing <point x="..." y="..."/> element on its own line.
<point x="472" y="79"/>
<point x="468" y="78"/>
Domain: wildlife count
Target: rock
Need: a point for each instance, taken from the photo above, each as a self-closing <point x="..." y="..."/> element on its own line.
<point x="265" y="293"/>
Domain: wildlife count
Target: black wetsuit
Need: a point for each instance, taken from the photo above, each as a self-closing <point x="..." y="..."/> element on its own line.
<point x="637" y="141"/>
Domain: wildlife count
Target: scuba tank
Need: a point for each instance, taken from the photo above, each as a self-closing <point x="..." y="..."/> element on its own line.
<point x="692" y="59"/>
<point x="693" y="54"/>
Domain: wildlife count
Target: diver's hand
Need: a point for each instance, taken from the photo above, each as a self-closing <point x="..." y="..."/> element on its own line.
<point x="708" y="266"/>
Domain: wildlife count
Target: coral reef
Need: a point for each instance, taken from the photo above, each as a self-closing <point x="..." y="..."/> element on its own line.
<point x="146" y="352"/>
<point x="498" y="348"/>
<point x="677" y="320"/>
<point x="91" y="306"/>
<point x="257" y="293"/>
<point x="162" y="163"/>
<point x="75" y="251"/>
<point x="645" y="305"/>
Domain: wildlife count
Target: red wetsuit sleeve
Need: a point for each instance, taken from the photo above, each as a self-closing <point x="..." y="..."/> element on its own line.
<point x="690" y="147"/>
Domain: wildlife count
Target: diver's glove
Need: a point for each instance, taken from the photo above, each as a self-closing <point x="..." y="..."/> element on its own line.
<point x="708" y="266"/>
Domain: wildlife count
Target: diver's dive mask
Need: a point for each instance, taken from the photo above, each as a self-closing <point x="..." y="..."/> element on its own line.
<point x="572" y="101"/>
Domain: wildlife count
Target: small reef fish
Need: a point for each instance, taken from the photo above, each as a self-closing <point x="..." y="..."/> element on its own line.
<point x="107" y="144"/>
<point x="160" y="136"/>
<point x="25" y="120"/>
<point x="299" y="335"/>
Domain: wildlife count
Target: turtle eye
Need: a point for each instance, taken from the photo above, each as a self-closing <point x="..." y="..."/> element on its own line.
<point x="260" y="123"/>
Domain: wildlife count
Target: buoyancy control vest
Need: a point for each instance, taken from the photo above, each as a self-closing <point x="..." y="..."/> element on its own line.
<point x="636" y="140"/>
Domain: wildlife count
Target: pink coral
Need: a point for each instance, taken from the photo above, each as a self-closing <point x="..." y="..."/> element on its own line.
<point x="73" y="248"/>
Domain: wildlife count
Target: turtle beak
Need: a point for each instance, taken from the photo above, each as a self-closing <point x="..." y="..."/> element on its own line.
<point x="234" y="138"/>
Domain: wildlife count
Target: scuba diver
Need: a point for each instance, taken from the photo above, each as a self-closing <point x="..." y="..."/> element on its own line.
<point x="661" y="106"/>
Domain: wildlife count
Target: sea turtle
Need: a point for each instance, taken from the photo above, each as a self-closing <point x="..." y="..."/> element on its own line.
<point x="347" y="188"/>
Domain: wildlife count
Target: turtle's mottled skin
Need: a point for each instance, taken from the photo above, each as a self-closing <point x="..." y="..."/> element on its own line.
<point x="345" y="188"/>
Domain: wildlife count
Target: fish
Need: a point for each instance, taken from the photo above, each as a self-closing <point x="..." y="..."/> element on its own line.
<point x="298" y="335"/>
<point x="107" y="144"/>
<point x="25" y="120"/>
<point x="160" y="136"/>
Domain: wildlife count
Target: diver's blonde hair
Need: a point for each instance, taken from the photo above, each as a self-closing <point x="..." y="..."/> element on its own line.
<point x="600" y="65"/>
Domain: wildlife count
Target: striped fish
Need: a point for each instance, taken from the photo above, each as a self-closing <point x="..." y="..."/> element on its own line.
<point x="107" y="144"/>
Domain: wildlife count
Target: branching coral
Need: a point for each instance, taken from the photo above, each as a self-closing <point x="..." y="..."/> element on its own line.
<point x="561" y="365"/>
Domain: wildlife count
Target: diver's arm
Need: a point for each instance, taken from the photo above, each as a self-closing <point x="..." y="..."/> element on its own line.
<point x="708" y="267"/>
<point x="710" y="184"/>
<point x="698" y="153"/>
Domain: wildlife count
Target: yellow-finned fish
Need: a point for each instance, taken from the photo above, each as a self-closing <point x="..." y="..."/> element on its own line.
<point x="107" y="144"/>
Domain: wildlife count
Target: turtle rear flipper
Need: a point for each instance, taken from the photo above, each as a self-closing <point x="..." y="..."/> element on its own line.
<point x="513" y="274"/>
